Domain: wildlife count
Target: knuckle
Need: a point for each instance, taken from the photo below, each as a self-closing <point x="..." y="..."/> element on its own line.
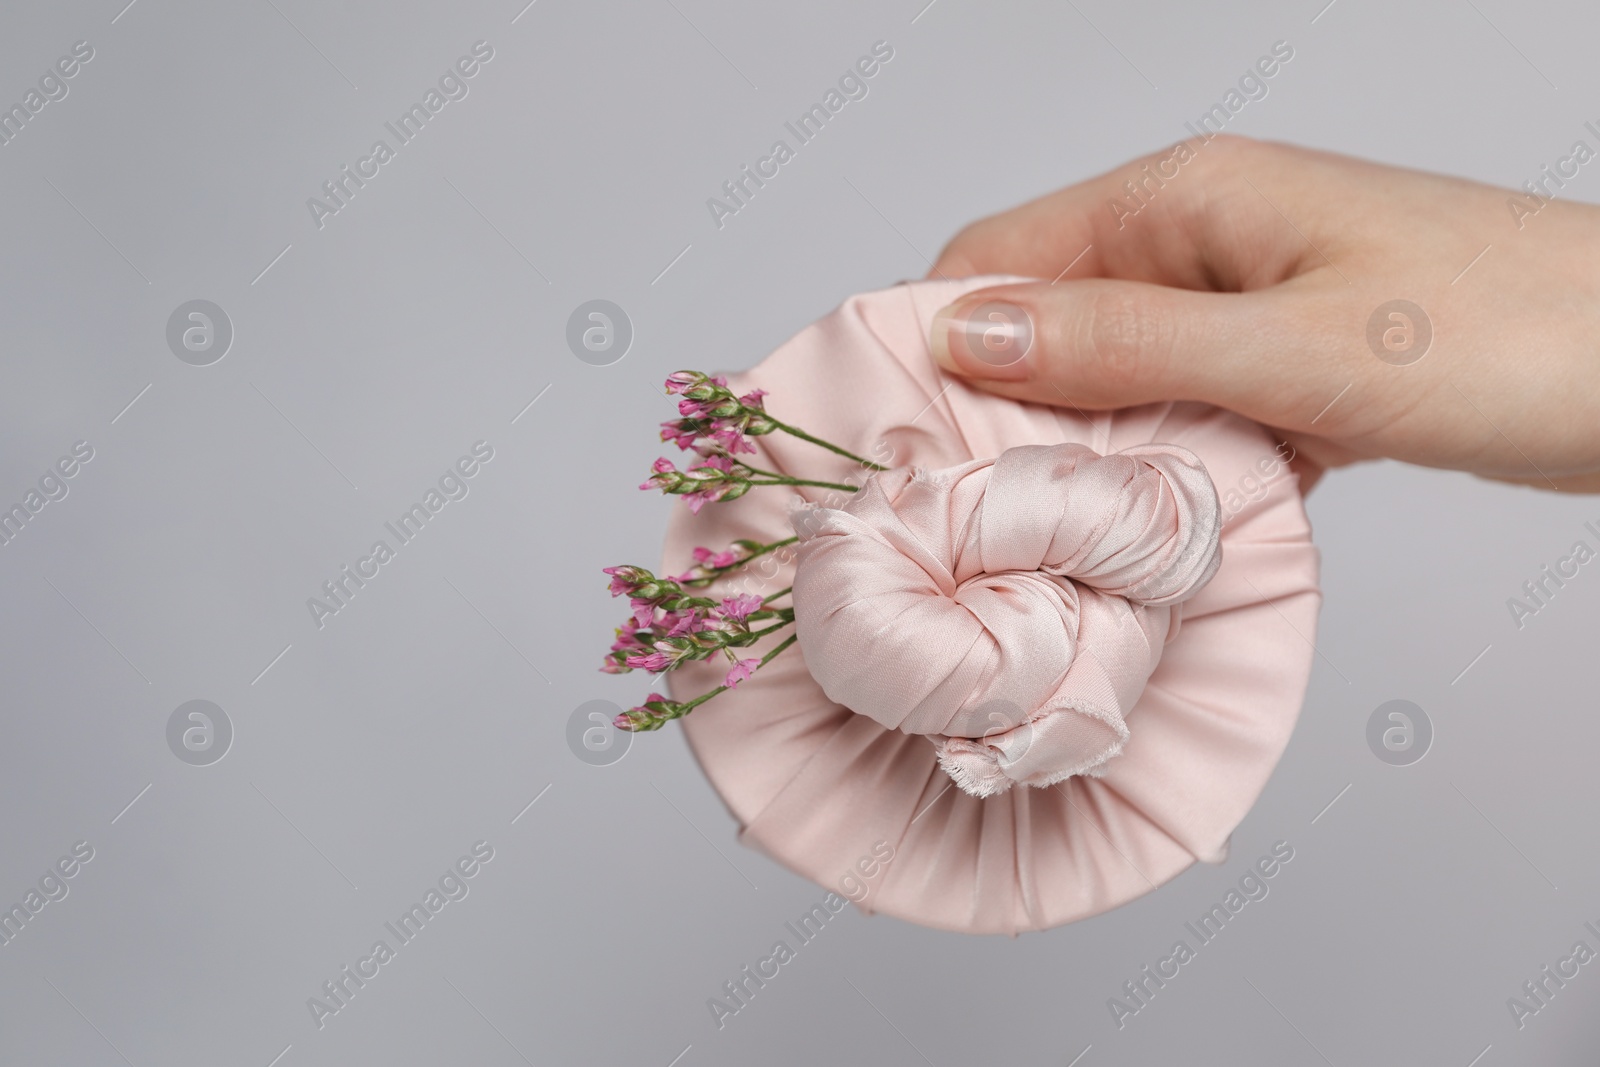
<point x="967" y="240"/>
<point x="1232" y="142"/>
<point x="1229" y="154"/>
<point x="1124" y="340"/>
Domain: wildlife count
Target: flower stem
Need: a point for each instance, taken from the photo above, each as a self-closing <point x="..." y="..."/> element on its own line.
<point x="757" y="554"/>
<point x="688" y="706"/>
<point x="758" y="470"/>
<point x="779" y="593"/>
<point x="806" y="481"/>
<point x="794" y="431"/>
<point x="771" y="629"/>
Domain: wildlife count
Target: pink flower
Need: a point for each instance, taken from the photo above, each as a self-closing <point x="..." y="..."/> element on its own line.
<point x="622" y="579"/>
<point x="752" y="399"/>
<point x="707" y="558"/>
<point x="681" y="625"/>
<point x="626" y="640"/>
<point x="679" y="381"/>
<point x="739" y="607"/>
<point x="695" y="409"/>
<point x="663" y="475"/>
<point x="712" y="478"/>
<point x="654" y="661"/>
<point x="679" y="434"/>
<point x="650" y="715"/>
<point x="730" y="437"/>
<point x="644" y="612"/>
<point x="716" y="491"/>
<point x="740" y="671"/>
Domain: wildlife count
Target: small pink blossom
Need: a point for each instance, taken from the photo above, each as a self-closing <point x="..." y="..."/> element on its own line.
<point x="731" y="438"/>
<point x="644" y="612"/>
<point x="647" y="715"/>
<point x="627" y="640"/>
<point x="654" y="661"/>
<point x="678" y="434"/>
<point x="688" y="623"/>
<point x="740" y="671"/>
<point x="714" y="492"/>
<point x="662" y="474"/>
<point x="752" y="399"/>
<point x="739" y="607"/>
<point x="707" y="558"/>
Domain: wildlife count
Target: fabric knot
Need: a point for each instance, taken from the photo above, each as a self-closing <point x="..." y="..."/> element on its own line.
<point x="1011" y="609"/>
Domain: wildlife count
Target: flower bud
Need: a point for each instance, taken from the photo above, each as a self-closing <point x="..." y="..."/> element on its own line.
<point x="654" y="713"/>
<point x="626" y="579"/>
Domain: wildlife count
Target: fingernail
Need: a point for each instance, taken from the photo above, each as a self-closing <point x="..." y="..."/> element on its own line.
<point x="989" y="339"/>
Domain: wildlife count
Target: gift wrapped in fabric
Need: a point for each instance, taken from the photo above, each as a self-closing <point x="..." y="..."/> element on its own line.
<point x="1046" y="661"/>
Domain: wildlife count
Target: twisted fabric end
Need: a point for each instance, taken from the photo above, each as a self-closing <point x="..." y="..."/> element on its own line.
<point x="1039" y="585"/>
<point x="1058" y="744"/>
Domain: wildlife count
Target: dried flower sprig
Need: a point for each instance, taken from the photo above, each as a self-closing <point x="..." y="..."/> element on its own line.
<point x="709" y="565"/>
<point x="657" y="710"/>
<point x="670" y="625"/>
<point x="720" y="477"/>
<point x="715" y="422"/>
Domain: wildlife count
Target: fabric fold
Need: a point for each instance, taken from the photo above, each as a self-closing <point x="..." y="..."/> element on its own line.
<point x="1010" y="609"/>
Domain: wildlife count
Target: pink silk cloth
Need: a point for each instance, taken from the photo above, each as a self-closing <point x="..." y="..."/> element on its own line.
<point x="1037" y="658"/>
<point x="1024" y="577"/>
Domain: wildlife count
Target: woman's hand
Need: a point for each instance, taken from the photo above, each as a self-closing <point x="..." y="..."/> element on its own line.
<point x="1255" y="276"/>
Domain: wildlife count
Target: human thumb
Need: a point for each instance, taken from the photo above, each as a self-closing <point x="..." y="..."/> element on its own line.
<point x="1106" y="343"/>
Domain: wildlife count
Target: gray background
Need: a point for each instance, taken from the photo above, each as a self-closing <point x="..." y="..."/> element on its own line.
<point x="373" y="752"/>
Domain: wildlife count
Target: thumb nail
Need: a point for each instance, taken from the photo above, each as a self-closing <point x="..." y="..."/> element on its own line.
<point x="987" y="339"/>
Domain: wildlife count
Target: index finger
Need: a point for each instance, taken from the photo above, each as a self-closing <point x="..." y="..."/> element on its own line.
<point x="1181" y="217"/>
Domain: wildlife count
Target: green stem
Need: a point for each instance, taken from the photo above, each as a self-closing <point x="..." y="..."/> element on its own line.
<point x="771" y="629"/>
<point x="779" y="593"/>
<point x="718" y="572"/>
<point x="686" y="708"/>
<point x="806" y="481"/>
<point x="758" y="470"/>
<point x="794" y="431"/>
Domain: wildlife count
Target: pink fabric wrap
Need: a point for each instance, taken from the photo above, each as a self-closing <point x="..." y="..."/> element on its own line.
<point x="1001" y="601"/>
<point x="1008" y="616"/>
